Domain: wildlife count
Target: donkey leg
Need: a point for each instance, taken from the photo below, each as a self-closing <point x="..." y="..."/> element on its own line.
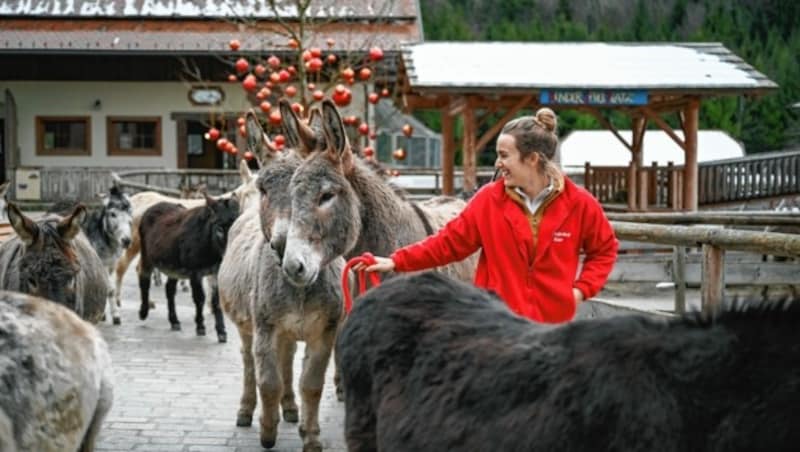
<point x="219" y="319"/>
<point x="199" y="297"/>
<point x="318" y="353"/>
<point x="144" y="289"/>
<point x="113" y="308"/>
<point x="286" y="353"/>
<point x="170" y="288"/>
<point x="122" y="265"/>
<point x="270" y="384"/>
<point x="101" y="410"/>
<point x="247" y="404"/>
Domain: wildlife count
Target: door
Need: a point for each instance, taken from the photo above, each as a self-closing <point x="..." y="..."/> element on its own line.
<point x="2" y="150"/>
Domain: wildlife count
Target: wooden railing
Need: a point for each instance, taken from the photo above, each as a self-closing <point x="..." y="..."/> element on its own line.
<point x="757" y="176"/>
<point x="714" y="241"/>
<point x="168" y="181"/>
<point x="723" y="181"/>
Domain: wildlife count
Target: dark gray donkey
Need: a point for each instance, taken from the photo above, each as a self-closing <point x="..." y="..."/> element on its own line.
<point x="57" y="377"/>
<point x="342" y="206"/>
<point x="109" y="230"/>
<point x="270" y="311"/>
<point x="185" y="243"/>
<point x="52" y="258"/>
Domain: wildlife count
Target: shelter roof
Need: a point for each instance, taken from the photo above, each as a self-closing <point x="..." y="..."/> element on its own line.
<point x="602" y="148"/>
<point x="231" y="9"/>
<point x="535" y="66"/>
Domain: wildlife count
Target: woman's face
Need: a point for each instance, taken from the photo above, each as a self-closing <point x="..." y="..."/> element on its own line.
<point x="515" y="171"/>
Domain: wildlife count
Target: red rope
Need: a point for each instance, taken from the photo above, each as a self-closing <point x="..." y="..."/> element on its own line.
<point x="374" y="279"/>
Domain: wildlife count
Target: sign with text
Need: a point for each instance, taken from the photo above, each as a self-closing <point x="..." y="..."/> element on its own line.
<point x="592" y="97"/>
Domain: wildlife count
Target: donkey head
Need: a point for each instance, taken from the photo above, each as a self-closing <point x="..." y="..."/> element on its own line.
<point x="118" y="216"/>
<point x="277" y="169"/>
<point x="48" y="266"/>
<point x="326" y="218"/>
<point x="222" y="213"/>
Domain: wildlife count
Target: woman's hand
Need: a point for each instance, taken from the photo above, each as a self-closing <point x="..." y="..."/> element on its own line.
<point x="382" y="264"/>
<point x="578" y="295"/>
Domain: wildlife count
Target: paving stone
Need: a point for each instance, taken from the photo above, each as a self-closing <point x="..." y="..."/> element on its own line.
<point x="176" y="391"/>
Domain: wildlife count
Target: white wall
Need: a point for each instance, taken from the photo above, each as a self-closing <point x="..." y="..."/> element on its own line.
<point x="121" y="99"/>
<point x="117" y="99"/>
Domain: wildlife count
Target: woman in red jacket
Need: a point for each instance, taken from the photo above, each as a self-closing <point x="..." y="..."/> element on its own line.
<point x="531" y="225"/>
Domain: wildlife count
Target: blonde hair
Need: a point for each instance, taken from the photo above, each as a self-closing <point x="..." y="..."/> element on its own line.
<point x="537" y="135"/>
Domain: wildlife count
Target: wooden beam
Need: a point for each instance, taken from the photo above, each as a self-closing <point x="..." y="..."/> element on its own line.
<point x="679" y="278"/>
<point x="663" y="125"/>
<point x="470" y="163"/>
<point x="495" y="129"/>
<point x="448" y="154"/>
<point x="456" y="106"/>
<point x="690" y="171"/>
<point x="602" y="119"/>
<point x="712" y="287"/>
<point x="420" y="102"/>
<point x="638" y="126"/>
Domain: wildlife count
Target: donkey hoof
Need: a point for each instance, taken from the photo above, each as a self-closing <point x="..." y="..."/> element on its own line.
<point x="201" y="331"/>
<point x="142" y="314"/>
<point x="222" y="338"/>
<point x="175" y="326"/>
<point x="312" y="446"/>
<point x="267" y="443"/>
<point x="244" y="420"/>
<point x="117" y="321"/>
<point x="290" y="415"/>
<point x="152" y="305"/>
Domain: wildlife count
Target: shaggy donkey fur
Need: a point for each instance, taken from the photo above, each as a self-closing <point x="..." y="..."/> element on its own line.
<point x="108" y="229"/>
<point x="431" y="364"/>
<point x="185" y="243"/>
<point x="270" y="312"/>
<point x="56" y="374"/>
<point x="52" y="258"/>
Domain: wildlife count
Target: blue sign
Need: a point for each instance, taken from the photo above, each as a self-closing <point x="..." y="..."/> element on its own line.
<point x="592" y="97"/>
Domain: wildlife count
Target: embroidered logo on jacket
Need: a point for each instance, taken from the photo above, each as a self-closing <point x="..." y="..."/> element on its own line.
<point x="559" y="236"/>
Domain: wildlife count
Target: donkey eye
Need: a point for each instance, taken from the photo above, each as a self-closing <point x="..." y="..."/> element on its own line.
<point x="325" y="198"/>
<point x="32" y="283"/>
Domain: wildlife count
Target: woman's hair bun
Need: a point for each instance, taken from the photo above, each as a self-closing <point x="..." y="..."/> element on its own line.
<point x="547" y="118"/>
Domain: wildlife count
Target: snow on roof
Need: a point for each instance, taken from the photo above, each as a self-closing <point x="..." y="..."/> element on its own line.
<point x="588" y="65"/>
<point x="602" y="148"/>
<point x="207" y="8"/>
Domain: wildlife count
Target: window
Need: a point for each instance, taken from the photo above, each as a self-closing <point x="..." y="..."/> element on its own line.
<point x="134" y="136"/>
<point x="63" y="135"/>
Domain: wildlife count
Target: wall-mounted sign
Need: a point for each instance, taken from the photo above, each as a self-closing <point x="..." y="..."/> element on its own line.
<point x="206" y="95"/>
<point x="592" y="97"/>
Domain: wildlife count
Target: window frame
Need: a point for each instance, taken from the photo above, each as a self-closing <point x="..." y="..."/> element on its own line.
<point x="63" y="152"/>
<point x="111" y="137"/>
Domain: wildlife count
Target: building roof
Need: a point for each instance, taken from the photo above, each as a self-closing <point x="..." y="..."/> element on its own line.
<point x="518" y="66"/>
<point x="388" y="37"/>
<point x="232" y="9"/>
<point x="602" y="148"/>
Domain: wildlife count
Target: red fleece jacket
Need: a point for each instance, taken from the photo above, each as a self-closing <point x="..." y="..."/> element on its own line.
<point x="535" y="281"/>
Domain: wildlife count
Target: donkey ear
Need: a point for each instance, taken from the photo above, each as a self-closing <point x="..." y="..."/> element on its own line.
<point x="338" y="145"/>
<point x="257" y="140"/>
<point x="333" y="126"/>
<point x="70" y="226"/>
<point x="209" y="200"/>
<point x="26" y="229"/>
<point x="114" y="190"/>
<point x="299" y="136"/>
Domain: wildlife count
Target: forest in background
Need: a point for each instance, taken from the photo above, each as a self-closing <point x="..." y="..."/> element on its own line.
<point x="765" y="33"/>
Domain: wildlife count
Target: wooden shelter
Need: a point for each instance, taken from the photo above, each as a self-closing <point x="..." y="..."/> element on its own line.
<point x="646" y="81"/>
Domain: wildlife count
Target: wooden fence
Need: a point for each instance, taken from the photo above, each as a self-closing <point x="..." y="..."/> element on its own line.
<point x="714" y="242"/>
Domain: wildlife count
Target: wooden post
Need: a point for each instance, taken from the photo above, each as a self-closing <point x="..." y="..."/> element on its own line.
<point x="679" y="278"/>
<point x="652" y="185"/>
<point x="712" y="287"/>
<point x="587" y="177"/>
<point x="448" y="154"/>
<point x="632" y="186"/>
<point x="691" y="120"/>
<point x="672" y="187"/>
<point x="637" y="144"/>
<point x="470" y="163"/>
